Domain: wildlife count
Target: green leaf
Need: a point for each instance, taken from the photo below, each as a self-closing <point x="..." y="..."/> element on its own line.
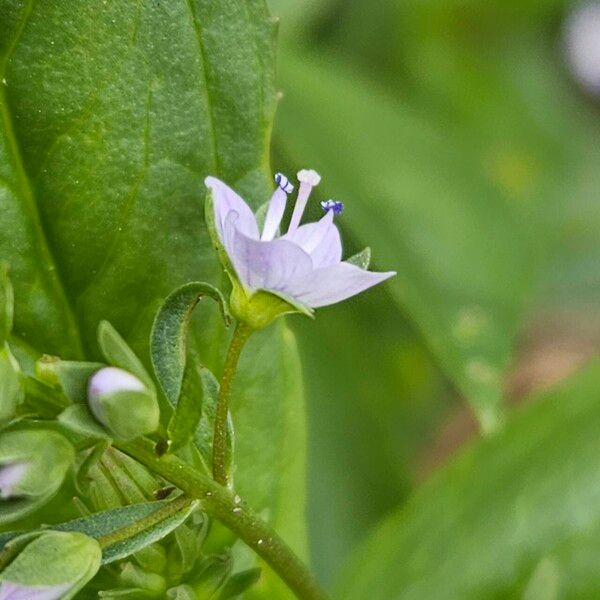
<point x="103" y="524"/>
<point x="206" y="426"/>
<point x="168" y="344"/>
<point x="413" y="197"/>
<point x="111" y="117"/>
<point x="483" y="526"/>
<point x="6" y="303"/>
<point x="118" y="353"/>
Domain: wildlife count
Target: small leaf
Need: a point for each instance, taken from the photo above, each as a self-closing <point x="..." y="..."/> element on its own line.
<point x="119" y="354"/>
<point x="239" y="583"/>
<point x="362" y="259"/>
<point x="186" y="417"/>
<point x="6" y="303"/>
<point x="169" y="334"/>
<point x="205" y="430"/>
<point x="103" y="524"/>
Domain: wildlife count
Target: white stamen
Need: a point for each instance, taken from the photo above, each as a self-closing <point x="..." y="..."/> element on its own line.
<point x="276" y="207"/>
<point x="308" y="179"/>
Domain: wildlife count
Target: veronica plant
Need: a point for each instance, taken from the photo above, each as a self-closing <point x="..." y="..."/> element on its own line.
<point x="153" y="464"/>
<point x="125" y="441"/>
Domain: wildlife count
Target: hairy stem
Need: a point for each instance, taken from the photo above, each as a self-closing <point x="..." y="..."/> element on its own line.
<point x="222" y="504"/>
<point x="240" y="336"/>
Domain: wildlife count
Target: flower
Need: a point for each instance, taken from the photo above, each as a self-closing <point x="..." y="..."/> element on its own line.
<point x="33" y="466"/>
<point x="303" y="268"/>
<point x="122" y="403"/>
<point x="51" y="565"/>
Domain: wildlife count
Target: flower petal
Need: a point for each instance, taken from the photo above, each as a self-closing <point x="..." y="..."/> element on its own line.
<point x="309" y="236"/>
<point x="274" y="214"/>
<point x="321" y="240"/>
<point x="15" y="591"/>
<point x="333" y="284"/>
<point x="225" y="200"/>
<point x="329" y="251"/>
<point x="267" y="265"/>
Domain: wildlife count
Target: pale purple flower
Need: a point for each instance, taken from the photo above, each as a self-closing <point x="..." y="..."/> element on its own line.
<point x="10" y="476"/>
<point x="305" y="264"/>
<point x="112" y="379"/>
<point x="14" y="591"/>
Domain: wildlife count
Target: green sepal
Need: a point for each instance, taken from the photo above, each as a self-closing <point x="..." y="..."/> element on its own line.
<point x="239" y="583"/>
<point x="182" y="592"/>
<point x="47" y="455"/>
<point x="56" y="561"/>
<point x="12" y="392"/>
<point x="186" y="546"/>
<point x="168" y="340"/>
<point x="151" y="583"/>
<point x="361" y="259"/>
<point x="71" y="377"/>
<point x="127" y="414"/>
<point x="118" y="353"/>
<point x="78" y="419"/>
<point x="6" y="303"/>
<point x="260" y="308"/>
<point x="210" y="575"/>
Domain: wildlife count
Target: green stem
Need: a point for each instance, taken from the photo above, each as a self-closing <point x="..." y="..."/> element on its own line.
<point x="220" y="503"/>
<point x="240" y="336"/>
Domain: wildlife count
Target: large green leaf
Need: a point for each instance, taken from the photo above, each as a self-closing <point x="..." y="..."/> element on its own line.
<point x="112" y="113"/>
<point x="525" y="501"/>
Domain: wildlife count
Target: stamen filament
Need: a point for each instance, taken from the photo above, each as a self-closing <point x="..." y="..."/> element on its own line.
<point x="308" y="179"/>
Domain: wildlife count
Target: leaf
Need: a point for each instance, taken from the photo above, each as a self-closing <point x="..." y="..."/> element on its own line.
<point x="168" y="344"/>
<point x="118" y="353"/>
<point x="103" y="524"/>
<point x="500" y="508"/>
<point x="111" y="117"/>
<point x="206" y="426"/>
<point x="6" y="303"/>
<point x="413" y="198"/>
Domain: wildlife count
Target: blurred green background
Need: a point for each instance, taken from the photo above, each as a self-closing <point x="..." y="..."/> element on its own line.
<point x="466" y="151"/>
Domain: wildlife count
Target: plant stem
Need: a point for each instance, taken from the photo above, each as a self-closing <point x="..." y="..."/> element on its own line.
<point x="240" y="336"/>
<point x="220" y="503"/>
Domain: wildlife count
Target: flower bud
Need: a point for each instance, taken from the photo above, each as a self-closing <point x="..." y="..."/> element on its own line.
<point x="50" y="566"/>
<point x="33" y="463"/>
<point x="122" y="403"/>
